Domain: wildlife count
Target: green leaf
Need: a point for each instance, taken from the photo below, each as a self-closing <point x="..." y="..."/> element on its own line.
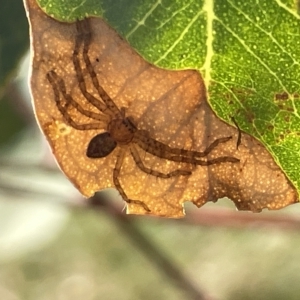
<point x="13" y="37"/>
<point x="247" y="51"/>
<point x="255" y="75"/>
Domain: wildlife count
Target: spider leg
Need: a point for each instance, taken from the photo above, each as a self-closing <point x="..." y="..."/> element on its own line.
<point x="213" y="145"/>
<point x="70" y="101"/>
<point x="161" y="148"/>
<point x="79" y="74"/>
<point x="192" y="154"/>
<point x="239" y="138"/>
<point x="214" y="161"/>
<point x="64" y="111"/>
<point x="152" y="172"/>
<point x="84" y="29"/>
<point x="116" y="172"/>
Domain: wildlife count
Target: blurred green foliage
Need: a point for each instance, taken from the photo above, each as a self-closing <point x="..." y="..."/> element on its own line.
<point x="92" y="259"/>
<point x="14" y="41"/>
<point x="10" y="121"/>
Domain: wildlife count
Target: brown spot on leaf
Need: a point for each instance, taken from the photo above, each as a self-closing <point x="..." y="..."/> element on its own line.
<point x="248" y="114"/>
<point x="168" y="107"/>
<point x="270" y="127"/>
<point x="282" y="96"/>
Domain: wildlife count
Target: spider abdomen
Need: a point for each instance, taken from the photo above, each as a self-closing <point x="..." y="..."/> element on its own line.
<point x="101" y="145"/>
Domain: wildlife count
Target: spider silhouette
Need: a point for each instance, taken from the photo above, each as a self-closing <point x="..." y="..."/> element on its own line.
<point x="121" y="131"/>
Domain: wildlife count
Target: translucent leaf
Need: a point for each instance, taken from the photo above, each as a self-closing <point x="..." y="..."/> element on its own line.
<point x="248" y="52"/>
<point x="168" y="106"/>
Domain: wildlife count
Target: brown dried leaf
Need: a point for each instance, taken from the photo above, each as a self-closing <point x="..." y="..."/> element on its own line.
<point x="170" y="105"/>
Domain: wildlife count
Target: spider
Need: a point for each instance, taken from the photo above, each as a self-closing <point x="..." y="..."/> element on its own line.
<point x="121" y="131"/>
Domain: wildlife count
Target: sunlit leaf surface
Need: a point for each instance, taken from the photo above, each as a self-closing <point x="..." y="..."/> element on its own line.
<point x="248" y="52"/>
<point x="169" y="105"/>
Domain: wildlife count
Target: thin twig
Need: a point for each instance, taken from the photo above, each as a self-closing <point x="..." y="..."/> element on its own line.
<point x="163" y="262"/>
<point x="227" y="217"/>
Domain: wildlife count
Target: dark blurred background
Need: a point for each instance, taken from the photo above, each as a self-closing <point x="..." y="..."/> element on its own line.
<point x="56" y="245"/>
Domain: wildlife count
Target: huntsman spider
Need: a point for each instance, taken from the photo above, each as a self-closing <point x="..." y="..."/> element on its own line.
<point x="120" y="131"/>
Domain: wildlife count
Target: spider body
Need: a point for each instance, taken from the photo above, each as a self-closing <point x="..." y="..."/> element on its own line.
<point x="120" y="131"/>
